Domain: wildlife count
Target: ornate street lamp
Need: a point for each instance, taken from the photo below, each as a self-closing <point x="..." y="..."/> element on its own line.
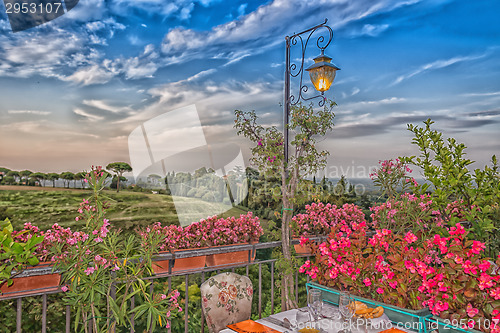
<point x="322" y="72"/>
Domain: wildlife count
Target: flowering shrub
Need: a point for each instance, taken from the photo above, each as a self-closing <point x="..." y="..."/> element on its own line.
<point x="55" y="240"/>
<point x="320" y="218"/>
<point x="212" y="231"/>
<point x="98" y="282"/>
<point x="392" y="176"/>
<point x="446" y="274"/>
<point x="465" y="287"/>
<point x="408" y="212"/>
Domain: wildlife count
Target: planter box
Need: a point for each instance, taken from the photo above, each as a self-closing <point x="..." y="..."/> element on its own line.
<point x="182" y="264"/>
<point x="436" y="324"/>
<point x="411" y="319"/>
<point x="301" y="249"/>
<point x="38" y="280"/>
<point x="229" y="258"/>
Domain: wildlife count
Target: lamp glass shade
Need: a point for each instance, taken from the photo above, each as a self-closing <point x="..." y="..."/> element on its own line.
<point x="322" y="73"/>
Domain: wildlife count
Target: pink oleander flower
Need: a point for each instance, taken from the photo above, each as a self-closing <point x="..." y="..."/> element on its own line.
<point x="367" y="282"/>
<point x="89" y="270"/>
<point x="380" y="290"/>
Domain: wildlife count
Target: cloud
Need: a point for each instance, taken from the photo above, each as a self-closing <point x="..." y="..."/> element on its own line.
<point x="489" y="113"/>
<point x="53" y="52"/>
<point x="93" y="74"/>
<point x="485" y="94"/>
<point x="87" y="116"/>
<point x="180" y="9"/>
<point x="241" y="9"/>
<point x="201" y="74"/>
<point x="372" y="30"/>
<point x="102" y="105"/>
<point x="142" y="66"/>
<point x="263" y="28"/>
<point x="437" y="65"/>
<point x="34" y="112"/>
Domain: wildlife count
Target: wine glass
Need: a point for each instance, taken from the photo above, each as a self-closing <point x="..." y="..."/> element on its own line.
<point x="315" y="303"/>
<point x="346" y="308"/>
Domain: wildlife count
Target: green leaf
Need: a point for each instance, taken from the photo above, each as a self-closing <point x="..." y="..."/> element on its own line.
<point x="33" y="261"/>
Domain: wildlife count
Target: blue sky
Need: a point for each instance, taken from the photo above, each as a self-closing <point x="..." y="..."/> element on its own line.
<point x="72" y="90"/>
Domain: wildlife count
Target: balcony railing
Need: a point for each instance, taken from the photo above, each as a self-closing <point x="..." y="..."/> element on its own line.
<point x="204" y="273"/>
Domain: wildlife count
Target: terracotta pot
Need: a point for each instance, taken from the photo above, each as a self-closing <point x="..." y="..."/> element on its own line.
<point x="27" y="285"/>
<point x="229" y="258"/>
<point x="301" y="249"/>
<point x="181" y="264"/>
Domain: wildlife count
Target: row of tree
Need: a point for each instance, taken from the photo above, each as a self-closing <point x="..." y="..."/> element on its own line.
<point x="27" y="177"/>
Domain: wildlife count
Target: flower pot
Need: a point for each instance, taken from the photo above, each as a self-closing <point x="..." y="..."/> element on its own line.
<point x="229" y="258"/>
<point x="34" y="280"/>
<point x="405" y="318"/>
<point x="301" y="249"/>
<point x="181" y="264"/>
<point x="440" y="325"/>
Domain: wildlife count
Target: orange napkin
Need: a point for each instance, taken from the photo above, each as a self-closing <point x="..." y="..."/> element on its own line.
<point x="392" y="330"/>
<point x="250" y="326"/>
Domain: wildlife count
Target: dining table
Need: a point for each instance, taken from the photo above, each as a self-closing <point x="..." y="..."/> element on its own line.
<point x="285" y="322"/>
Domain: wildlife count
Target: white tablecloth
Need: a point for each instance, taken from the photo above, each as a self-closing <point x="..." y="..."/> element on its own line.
<point x="328" y="325"/>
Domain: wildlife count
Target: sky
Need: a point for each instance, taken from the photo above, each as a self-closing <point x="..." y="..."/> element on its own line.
<point x="73" y="90"/>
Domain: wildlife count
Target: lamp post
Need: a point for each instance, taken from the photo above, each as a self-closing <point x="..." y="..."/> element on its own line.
<point x="322" y="74"/>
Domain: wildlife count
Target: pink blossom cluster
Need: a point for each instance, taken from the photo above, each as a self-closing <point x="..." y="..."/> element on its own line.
<point x="409" y="212"/>
<point x="57" y="236"/>
<point x="320" y="218"/>
<point x="447" y="274"/>
<point x="211" y="231"/>
<point x="391" y="167"/>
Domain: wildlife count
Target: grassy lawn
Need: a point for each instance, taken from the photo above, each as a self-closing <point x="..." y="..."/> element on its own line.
<point x="46" y="206"/>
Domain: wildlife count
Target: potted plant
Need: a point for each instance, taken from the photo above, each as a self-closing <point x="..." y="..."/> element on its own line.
<point x="172" y="239"/>
<point x="319" y="220"/>
<point x="36" y="278"/>
<point x="463" y="292"/>
<point x="105" y="270"/>
<point x="15" y="255"/>
<point x="244" y="229"/>
<point x="373" y="268"/>
<point x="210" y="232"/>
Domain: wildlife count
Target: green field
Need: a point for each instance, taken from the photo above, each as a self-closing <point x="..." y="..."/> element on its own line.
<point x="46" y="206"/>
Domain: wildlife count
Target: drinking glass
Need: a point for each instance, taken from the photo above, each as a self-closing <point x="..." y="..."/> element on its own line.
<point x="346" y="308"/>
<point x="315" y="303"/>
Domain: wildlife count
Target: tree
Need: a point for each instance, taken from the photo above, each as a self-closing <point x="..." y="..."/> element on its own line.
<point x="3" y="173"/>
<point x="39" y="177"/>
<point x="25" y="174"/>
<point x="167" y="188"/>
<point x="15" y="175"/>
<point x="445" y="165"/>
<point x="119" y="168"/>
<point x="304" y="160"/>
<point x="53" y="177"/>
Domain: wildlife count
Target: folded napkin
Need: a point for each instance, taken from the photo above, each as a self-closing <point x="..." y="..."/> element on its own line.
<point x="250" y="326"/>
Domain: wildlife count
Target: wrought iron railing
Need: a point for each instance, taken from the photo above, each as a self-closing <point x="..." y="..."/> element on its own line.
<point x="204" y="272"/>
